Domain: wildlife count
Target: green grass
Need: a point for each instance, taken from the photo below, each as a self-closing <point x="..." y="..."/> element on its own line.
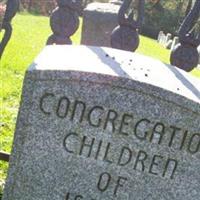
<point x="29" y="37"/>
<point x="151" y="48"/>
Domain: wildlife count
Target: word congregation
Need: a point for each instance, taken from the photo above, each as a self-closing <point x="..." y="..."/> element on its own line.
<point x="123" y="124"/>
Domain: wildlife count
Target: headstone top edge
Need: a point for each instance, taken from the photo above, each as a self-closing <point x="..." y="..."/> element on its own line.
<point x="118" y="63"/>
<point x="117" y="82"/>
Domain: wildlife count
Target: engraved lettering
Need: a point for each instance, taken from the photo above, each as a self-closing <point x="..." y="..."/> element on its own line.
<point x="125" y="122"/>
<point x="68" y="136"/>
<point x="91" y="148"/>
<point x="78" y="197"/>
<point x="158" y="129"/>
<point x="111" y="117"/>
<point x="125" y="153"/>
<point x="89" y="145"/>
<point x="106" y="153"/>
<point x="104" y="181"/>
<point x="44" y="99"/>
<point x="194" y="143"/>
<point x="98" y="150"/>
<point x="154" y="164"/>
<point x="141" y="157"/>
<point x="174" y="130"/>
<point x="63" y="107"/>
<point x="92" y="122"/>
<point x="183" y="140"/>
<point x="120" y="183"/>
<point x="140" y="125"/>
<point x="171" y="164"/>
<point x="67" y="196"/>
<point x="81" y="105"/>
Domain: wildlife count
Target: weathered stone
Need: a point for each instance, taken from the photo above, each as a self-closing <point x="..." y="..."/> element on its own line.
<point x="174" y="43"/>
<point x="160" y="36"/>
<point x="168" y="37"/>
<point x="118" y="2"/>
<point x="168" y="44"/>
<point x="163" y="39"/>
<point x="109" y="124"/>
<point x="99" y="20"/>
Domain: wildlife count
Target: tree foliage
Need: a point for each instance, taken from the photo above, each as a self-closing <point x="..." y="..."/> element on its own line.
<point x="43" y="7"/>
<point x="165" y="15"/>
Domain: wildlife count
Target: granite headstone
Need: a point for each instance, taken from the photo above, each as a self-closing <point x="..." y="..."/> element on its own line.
<point x="100" y="124"/>
<point x="99" y="20"/>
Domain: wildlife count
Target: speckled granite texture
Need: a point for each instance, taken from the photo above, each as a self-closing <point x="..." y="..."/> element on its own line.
<point x="103" y="124"/>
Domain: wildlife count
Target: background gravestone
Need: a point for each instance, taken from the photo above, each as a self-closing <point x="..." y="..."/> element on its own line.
<point x="99" y="20"/>
<point x="109" y="127"/>
<point x="174" y="43"/>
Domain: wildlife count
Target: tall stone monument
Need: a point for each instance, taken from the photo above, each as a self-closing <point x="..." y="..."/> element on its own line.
<point x="108" y="125"/>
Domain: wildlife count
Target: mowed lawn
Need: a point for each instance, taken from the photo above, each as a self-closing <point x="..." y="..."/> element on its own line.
<point x="29" y="37"/>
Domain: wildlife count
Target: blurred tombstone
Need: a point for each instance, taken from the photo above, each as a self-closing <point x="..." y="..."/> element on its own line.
<point x="99" y="19"/>
<point x="174" y="43"/>
<point x="167" y="38"/>
<point x="159" y="36"/>
<point x="163" y="39"/>
<point x="168" y="44"/>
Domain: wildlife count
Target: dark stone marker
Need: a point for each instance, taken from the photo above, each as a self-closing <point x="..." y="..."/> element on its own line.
<point x="108" y="125"/>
